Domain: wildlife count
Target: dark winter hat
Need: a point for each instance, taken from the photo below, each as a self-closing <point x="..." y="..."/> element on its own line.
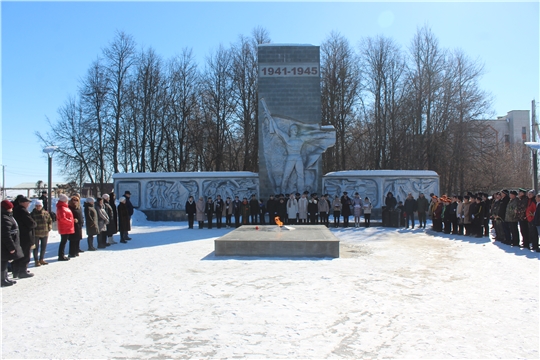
<point x="513" y="192"/>
<point x="306" y="192"/>
<point x="127" y="192"/>
<point x="6" y="204"/>
<point x="44" y="192"/>
<point x="505" y="191"/>
<point x="522" y="190"/>
<point x="345" y="193"/>
<point x="24" y="199"/>
<point x="314" y="194"/>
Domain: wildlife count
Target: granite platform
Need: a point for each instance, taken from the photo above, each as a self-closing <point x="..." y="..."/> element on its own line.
<point x="273" y="241"/>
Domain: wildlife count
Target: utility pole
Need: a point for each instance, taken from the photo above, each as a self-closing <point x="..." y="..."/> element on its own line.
<point x="534" y="129"/>
<point x="3" y="181"/>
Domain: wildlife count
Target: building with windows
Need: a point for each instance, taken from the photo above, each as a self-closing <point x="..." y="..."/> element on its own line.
<point x="513" y="128"/>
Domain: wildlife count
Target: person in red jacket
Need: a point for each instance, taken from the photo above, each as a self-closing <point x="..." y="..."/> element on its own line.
<point x="532" y="242"/>
<point x="66" y="225"/>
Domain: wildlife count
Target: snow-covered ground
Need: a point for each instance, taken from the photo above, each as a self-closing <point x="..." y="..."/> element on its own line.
<point x="393" y="293"/>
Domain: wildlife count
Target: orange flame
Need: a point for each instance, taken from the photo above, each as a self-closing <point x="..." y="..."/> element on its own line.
<point x="278" y="222"/>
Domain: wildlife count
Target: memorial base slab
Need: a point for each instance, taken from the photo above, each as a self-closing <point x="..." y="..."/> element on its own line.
<point x="273" y="241"/>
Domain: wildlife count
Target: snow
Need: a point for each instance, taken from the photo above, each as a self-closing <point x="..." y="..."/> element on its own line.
<point x="375" y="173"/>
<point x="392" y="293"/>
<point x="187" y="175"/>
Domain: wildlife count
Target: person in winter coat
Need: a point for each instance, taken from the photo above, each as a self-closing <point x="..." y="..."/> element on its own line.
<point x="130" y="210"/>
<point x="262" y="212"/>
<point x="437" y="215"/>
<point x="366" y="207"/>
<point x="191" y="210"/>
<point x="467" y="214"/>
<point x="523" y="201"/>
<point x="112" y="202"/>
<point x="282" y="209"/>
<point x="228" y="211"/>
<point x="103" y="220"/>
<point x="112" y="227"/>
<point x="254" y="209"/>
<point x="532" y="241"/>
<point x="512" y="218"/>
<point x="336" y="208"/>
<point x="345" y="208"/>
<point x="78" y="222"/>
<point x="11" y="245"/>
<point x="124" y="220"/>
<point x="200" y="208"/>
<point x="237" y="211"/>
<point x="292" y="209"/>
<point x="459" y="215"/>
<point x="323" y="209"/>
<point x="66" y="224"/>
<point x="27" y="227"/>
<point x="303" y="209"/>
<point x="357" y="205"/>
<point x="497" y="224"/>
<point x="536" y="220"/>
<point x="422" y="207"/>
<point x="209" y="211"/>
<point x="219" y="204"/>
<point x="91" y="217"/>
<point x="313" y="209"/>
<point x="244" y="210"/>
<point x="271" y="208"/>
<point x="43" y="227"/>
<point x="409" y="207"/>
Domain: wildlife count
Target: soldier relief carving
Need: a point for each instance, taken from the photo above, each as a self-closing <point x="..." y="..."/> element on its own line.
<point x="292" y="150"/>
<point x="162" y="194"/>
<point x="230" y="188"/>
<point x="364" y="187"/>
<point x="401" y="187"/>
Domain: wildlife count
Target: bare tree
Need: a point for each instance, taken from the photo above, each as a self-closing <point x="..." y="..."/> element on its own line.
<point x="218" y="104"/>
<point x="119" y="57"/>
<point x="94" y="91"/>
<point x="340" y="83"/>
<point x="382" y="70"/>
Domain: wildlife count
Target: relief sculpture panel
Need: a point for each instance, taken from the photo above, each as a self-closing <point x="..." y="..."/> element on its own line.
<point x="292" y="151"/>
<point x="169" y="194"/>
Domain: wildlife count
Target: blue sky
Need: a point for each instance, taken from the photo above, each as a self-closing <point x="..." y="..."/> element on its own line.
<point x="47" y="47"/>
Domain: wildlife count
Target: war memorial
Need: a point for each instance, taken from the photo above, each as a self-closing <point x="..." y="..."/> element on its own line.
<point x="291" y="142"/>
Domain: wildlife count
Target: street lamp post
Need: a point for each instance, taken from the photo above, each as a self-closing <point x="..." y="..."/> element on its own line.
<point x="49" y="150"/>
<point x="535" y="146"/>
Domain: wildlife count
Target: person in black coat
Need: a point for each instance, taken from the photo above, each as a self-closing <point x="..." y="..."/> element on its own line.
<point x="218" y="210"/>
<point x="191" y="209"/>
<point x="271" y="208"/>
<point x="124" y="220"/>
<point x="237" y="210"/>
<point x="209" y="211"/>
<point x="409" y="207"/>
<point x="75" y="238"/>
<point x="346" y="208"/>
<point x="254" y="209"/>
<point x="129" y="207"/>
<point x="26" y="235"/>
<point x="112" y="226"/>
<point x="45" y="200"/>
<point x="11" y="246"/>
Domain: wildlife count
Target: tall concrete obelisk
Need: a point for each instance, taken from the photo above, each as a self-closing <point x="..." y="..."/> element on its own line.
<point x="291" y="138"/>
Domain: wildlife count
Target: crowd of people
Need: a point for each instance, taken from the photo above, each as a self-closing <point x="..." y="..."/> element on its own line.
<point x="26" y="233"/>
<point x="288" y="209"/>
<point x="508" y="213"/>
<point x="513" y="215"/>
